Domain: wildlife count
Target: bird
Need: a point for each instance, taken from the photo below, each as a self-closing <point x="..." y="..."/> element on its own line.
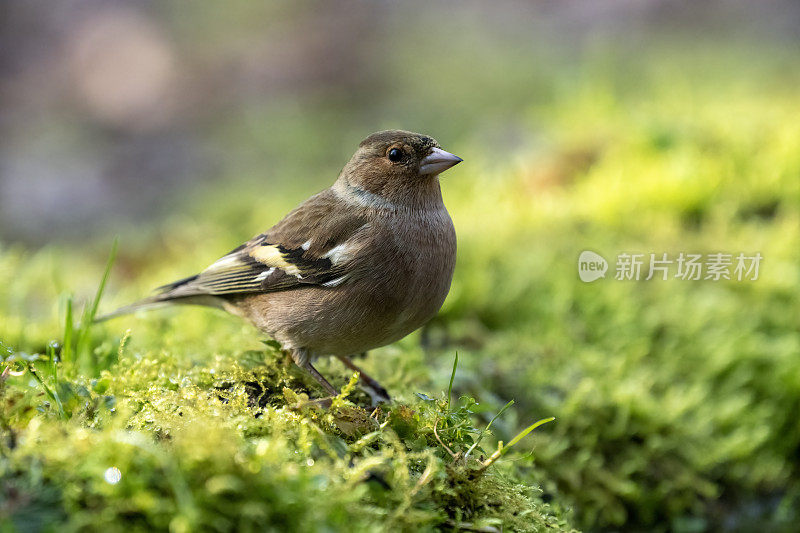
<point x="355" y="267"/>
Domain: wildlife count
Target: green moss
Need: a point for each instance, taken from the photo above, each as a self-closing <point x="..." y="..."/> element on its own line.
<point x="199" y="448"/>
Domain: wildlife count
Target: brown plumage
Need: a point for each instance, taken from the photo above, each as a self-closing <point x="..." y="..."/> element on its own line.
<point x="357" y="266"/>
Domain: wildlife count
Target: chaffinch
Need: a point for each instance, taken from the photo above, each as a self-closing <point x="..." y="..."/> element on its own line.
<point x="357" y="266"/>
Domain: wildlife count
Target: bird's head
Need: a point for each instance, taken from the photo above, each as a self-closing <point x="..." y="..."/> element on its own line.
<point x="399" y="166"/>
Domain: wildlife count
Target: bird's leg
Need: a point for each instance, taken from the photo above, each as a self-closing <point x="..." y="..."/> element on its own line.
<point x="380" y="394"/>
<point x="302" y="359"/>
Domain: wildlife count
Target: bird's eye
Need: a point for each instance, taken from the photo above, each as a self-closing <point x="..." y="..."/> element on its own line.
<point x="395" y="155"/>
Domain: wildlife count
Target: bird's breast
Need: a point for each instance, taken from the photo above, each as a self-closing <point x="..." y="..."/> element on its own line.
<point x="419" y="276"/>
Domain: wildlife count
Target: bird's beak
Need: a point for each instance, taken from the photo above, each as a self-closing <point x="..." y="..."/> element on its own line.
<point x="438" y="161"/>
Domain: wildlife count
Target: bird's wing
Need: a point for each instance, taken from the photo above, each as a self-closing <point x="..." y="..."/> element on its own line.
<point x="313" y="244"/>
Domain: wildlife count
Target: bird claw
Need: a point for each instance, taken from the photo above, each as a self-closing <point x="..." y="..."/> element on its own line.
<point x="377" y="394"/>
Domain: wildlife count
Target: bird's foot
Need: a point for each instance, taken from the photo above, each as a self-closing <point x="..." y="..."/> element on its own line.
<point x="377" y="393"/>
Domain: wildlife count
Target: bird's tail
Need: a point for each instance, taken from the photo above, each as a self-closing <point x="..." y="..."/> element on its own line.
<point x="147" y="303"/>
<point x="161" y="300"/>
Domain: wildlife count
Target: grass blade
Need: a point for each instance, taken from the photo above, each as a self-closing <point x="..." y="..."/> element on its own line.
<point x="96" y="303"/>
<point x="69" y="327"/>
<point x="452" y="377"/>
<point x="48" y="391"/>
<point x="489" y="425"/>
<point x="522" y="434"/>
<point x="91" y="311"/>
<point x="501" y="450"/>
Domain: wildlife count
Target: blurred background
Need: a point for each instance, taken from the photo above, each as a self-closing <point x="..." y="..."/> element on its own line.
<point x="112" y="111"/>
<point x="619" y="126"/>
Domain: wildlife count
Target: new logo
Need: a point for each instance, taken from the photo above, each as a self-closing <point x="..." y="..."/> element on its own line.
<point x="591" y="266"/>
